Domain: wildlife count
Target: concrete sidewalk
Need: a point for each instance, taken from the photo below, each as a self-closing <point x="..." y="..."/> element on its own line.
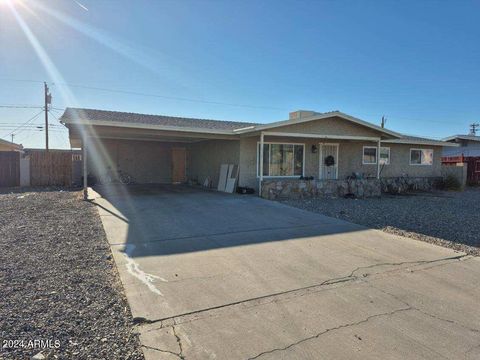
<point x="211" y="275"/>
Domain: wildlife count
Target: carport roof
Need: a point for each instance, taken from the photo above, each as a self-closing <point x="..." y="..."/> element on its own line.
<point x="72" y="115"/>
<point x="79" y="116"/>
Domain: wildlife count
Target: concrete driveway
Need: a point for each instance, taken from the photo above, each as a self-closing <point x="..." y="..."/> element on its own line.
<point x="217" y="276"/>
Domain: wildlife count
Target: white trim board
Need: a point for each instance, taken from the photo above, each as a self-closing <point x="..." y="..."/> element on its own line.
<point x="321" y="136"/>
<point x="420" y="142"/>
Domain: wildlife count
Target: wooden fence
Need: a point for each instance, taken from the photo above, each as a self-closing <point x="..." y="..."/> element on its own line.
<point x="9" y="168"/>
<point x="50" y="168"/>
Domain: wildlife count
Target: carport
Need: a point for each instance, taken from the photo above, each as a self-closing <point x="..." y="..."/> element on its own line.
<point x="150" y="149"/>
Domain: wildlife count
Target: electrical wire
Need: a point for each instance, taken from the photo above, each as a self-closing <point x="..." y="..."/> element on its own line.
<point x="25" y="123"/>
<point x="6" y="106"/>
<point x="119" y="91"/>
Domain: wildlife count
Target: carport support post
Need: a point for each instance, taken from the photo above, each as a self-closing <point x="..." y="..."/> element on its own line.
<point x="262" y="138"/>
<point x="379" y="144"/>
<point x="85" y="177"/>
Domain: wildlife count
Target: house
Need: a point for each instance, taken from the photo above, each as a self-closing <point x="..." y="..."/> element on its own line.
<point x="9" y="146"/>
<point x="328" y="147"/>
<point x="10" y="157"/>
<point x="467" y="152"/>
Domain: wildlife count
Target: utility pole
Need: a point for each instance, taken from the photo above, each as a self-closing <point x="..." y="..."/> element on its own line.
<point x="12" y="137"/>
<point x="384" y="121"/>
<point x="48" y="100"/>
<point x="473" y="128"/>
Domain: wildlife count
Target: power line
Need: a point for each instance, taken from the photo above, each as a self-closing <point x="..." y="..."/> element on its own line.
<point x="119" y="91"/>
<point x="168" y="97"/>
<point x="25" y="123"/>
<point x="20" y="107"/>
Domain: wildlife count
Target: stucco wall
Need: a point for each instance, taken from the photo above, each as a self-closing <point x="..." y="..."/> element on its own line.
<point x="400" y="162"/>
<point x="350" y="159"/>
<point x="204" y="158"/>
<point x="146" y="161"/>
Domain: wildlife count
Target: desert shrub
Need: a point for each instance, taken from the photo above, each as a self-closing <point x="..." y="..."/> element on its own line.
<point x="439" y="184"/>
<point x="452" y="183"/>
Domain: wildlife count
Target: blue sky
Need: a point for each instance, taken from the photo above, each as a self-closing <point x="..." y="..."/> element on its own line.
<point x="417" y="62"/>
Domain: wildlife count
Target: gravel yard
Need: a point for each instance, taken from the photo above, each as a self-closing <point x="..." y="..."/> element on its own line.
<point x="450" y="219"/>
<point x="59" y="281"/>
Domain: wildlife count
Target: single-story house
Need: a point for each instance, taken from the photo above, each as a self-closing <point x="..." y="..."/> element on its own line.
<point x="467" y="152"/>
<point x="326" y="147"/>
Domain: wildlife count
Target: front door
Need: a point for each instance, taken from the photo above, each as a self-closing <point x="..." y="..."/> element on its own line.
<point x="328" y="161"/>
<point x="178" y="165"/>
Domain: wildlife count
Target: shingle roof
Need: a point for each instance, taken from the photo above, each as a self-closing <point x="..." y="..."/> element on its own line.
<point x="409" y="139"/>
<point x="462" y="137"/>
<point x="74" y="114"/>
<point x="13" y="145"/>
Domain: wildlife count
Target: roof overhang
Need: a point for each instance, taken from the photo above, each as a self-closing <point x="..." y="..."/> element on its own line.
<point x="11" y="145"/>
<point x="420" y="142"/>
<point x="318" y="116"/>
<point x="120" y="124"/>
<point x="321" y="136"/>
<point x="462" y="137"/>
<point x="140" y="133"/>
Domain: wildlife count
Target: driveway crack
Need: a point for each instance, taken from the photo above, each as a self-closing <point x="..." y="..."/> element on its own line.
<point x="350" y="277"/>
<point x="316" y="336"/>
<point x="415" y="262"/>
<point x="179" y="342"/>
<point x="406" y="303"/>
<point x="164" y="351"/>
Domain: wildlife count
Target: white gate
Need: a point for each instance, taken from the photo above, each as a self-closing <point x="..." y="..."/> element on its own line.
<point x="328" y="161"/>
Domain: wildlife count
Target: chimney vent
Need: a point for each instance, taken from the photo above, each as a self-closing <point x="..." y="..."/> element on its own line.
<point x="299" y="114"/>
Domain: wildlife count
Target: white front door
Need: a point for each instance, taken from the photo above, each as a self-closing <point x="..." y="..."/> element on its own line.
<point x="328" y="161"/>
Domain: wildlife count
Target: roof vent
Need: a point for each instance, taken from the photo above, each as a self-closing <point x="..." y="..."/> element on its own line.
<point x="299" y="114"/>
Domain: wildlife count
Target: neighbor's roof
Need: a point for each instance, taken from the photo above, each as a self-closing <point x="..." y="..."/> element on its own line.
<point x="75" y="115"/>
<point x="11" y="144"/>
<point x="462" y="137"/>
<point x="415" y="140"/>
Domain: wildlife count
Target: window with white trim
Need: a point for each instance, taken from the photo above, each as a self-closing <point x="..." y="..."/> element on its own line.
<point x="370" y="155"/>
<point x="421" y="156"/>
<point x="281" y="159"/>
<point x="384" y="156"/>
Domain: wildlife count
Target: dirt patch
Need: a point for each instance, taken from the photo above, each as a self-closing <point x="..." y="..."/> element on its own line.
<point x="59" y="282"/>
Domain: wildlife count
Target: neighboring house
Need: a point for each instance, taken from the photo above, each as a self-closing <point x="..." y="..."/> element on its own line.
<point x="10" y="157"/>
<point x="9" y="146"/>
<point x="326" y="146"/>
<point x="467" y="151"/>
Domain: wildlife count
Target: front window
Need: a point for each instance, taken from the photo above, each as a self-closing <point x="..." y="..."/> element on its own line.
<point x="421" y="156"/>
<point x="477" y="166"/>
<point x="384" y="156"/>
<point x="281" y="159"/>
<point x="370" y="155"/>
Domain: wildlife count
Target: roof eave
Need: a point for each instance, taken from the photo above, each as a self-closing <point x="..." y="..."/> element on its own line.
<point x="417" y="142"/>
<point x="462" y="137"/>
<point x="148" y="127"/>
<point x="320" y="116"/>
